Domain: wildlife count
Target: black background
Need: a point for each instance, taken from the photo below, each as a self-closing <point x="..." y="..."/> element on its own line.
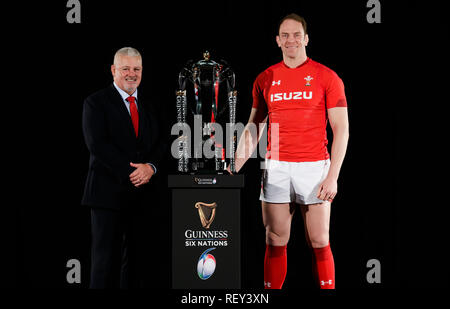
<point x="390" y="204"/>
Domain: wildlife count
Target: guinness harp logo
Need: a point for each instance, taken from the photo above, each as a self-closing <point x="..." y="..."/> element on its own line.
<point x="206" y="212"/>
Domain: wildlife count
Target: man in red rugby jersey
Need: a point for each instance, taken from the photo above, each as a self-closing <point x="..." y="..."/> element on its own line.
<point x="299" y="96"/>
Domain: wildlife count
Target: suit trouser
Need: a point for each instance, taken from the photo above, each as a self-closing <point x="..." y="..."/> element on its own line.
<point x="117" y="253"/>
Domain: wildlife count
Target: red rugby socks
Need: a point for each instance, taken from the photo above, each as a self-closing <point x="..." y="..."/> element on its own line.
<point x="275" y="267"/>
<point x="324" y="267"/>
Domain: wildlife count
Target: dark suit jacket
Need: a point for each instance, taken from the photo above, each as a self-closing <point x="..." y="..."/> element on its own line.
<point x="112" y="143"/>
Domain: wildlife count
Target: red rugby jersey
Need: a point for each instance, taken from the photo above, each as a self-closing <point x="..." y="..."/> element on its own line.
<point x="297" y="99"/>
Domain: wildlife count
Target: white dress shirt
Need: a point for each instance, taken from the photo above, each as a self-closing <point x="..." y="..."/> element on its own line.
<point x="125" y="95"/>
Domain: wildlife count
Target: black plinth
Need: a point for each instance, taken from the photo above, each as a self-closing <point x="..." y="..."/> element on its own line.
<point x="206" y="254"/>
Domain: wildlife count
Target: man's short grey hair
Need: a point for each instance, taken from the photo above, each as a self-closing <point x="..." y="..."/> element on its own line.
<point x="126" y="51"/>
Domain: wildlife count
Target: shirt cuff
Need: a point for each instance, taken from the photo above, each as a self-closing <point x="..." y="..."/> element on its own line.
<point x="154" y="167"/>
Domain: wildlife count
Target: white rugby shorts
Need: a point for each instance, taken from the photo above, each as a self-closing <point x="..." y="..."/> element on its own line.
<point x="285" y="182"/>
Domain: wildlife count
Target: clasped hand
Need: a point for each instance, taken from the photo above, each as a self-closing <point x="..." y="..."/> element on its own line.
<point x="141" y="174"/>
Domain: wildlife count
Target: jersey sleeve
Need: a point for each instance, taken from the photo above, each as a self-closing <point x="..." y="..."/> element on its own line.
<point x="258" y="94"/>
<point x="335" y="93"/>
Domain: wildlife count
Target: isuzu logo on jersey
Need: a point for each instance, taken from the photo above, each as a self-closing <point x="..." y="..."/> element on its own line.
<point x="287" y="96"/>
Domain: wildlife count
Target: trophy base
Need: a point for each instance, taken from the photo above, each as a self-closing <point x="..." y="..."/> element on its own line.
<point x="203" y="167"/>
<point x="206" y="172"/>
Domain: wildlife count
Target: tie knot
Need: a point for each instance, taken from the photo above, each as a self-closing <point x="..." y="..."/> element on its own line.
<point x="131" y="99"/>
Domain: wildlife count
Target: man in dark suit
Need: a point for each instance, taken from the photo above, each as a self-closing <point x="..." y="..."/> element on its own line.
<point x="121" y="133"/>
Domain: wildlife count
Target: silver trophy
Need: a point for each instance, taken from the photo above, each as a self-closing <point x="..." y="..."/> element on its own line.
<point x="203" y="104"/>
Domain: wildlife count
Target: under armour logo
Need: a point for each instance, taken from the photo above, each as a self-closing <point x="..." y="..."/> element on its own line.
<point x="267" y="284"/>
<point x="329" y="282"/>
<point x="276" y="82"/>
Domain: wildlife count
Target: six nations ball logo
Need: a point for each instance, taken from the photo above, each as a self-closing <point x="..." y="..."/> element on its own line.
<point x="206" y="264"/>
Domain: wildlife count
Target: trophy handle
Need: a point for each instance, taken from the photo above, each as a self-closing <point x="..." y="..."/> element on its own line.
<point x="183" y="159"/>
